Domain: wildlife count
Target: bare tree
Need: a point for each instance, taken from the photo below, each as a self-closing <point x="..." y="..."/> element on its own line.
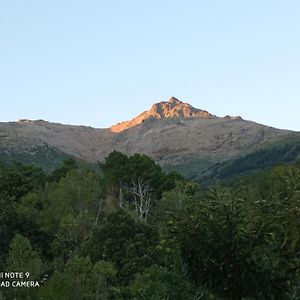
<point x="142" y="198"/>
<point x="121" y="197"/>
<point x="98" y="212"/>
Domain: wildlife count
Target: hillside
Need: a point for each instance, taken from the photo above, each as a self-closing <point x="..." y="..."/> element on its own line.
<point x="173" y="133"/>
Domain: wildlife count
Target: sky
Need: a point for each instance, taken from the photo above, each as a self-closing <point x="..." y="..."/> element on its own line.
<point x="97" y="62"/>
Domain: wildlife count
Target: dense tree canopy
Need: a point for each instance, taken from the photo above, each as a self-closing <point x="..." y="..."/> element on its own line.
<point x="83" y="234"/>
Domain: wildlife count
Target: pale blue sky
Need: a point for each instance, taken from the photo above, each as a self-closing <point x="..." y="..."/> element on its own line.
<point x="99" y="62"/>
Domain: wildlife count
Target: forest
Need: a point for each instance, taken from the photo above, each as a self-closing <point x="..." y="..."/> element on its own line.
<point x="128" y="230"/>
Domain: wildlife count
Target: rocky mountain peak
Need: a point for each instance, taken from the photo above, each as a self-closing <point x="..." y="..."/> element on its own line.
<point x="173" y="108"/>
<point x="174" y="101"/>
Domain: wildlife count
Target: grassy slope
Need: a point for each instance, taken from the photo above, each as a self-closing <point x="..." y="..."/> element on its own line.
<point x="284" y="150"/>
<point x="45" y="157"/>
<point x="281" y="152"/>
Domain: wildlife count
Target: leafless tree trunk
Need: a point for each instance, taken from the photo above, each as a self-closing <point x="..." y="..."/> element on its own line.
<point x="121" y="197"/>
<point x="142" y="198"/>
<point x="98" y="212"/>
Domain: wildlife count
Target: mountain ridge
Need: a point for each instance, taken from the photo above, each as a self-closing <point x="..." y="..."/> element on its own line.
<point x="171" y="132"/>
<point x="174" y="108"/>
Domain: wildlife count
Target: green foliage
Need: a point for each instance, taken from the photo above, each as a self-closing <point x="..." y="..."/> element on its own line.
<point x="157" y="283"/>
<point x="130" y="245"/>
<point x="16" y="181"/>
<point x="45" y="157"/>
<point x="119" y="169"/>
<point x="127" y="178"/>
<point x="81" y="279"/>
<point x="238" y="248"/>
<point x="192" y="168"/>
<point x="215" y="244"/>
<point x="22" y="258"/>
<point x="236" y="241"/>
<point x="66" y="210"/>
<point x="68" y="165"/>
<point x="279" y="153"/>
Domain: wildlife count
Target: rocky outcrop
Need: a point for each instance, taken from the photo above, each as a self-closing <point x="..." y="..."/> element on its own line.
<point x="173" y="108"/>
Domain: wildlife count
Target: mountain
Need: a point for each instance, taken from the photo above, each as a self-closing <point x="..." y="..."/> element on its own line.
<point x="174" y="108"/>
<point x="173" y="133"/>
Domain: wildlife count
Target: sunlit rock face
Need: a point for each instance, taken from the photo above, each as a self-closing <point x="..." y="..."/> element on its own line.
<point x="173" y="108"/>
